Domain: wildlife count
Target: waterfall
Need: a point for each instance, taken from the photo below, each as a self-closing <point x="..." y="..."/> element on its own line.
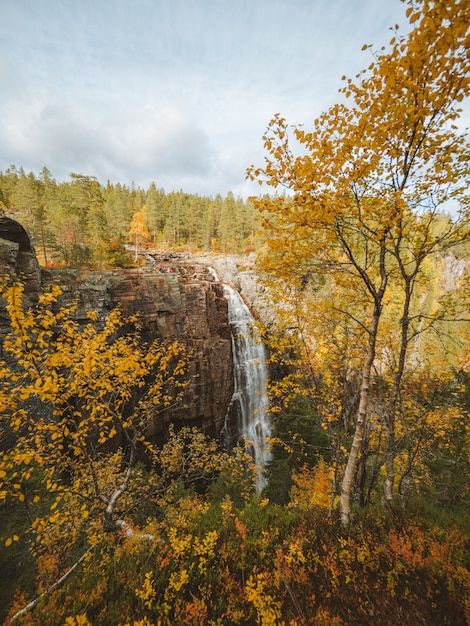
<point x="250" y="376"/>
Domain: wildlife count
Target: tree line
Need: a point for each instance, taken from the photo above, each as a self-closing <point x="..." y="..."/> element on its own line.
<point x="83" y="223"/>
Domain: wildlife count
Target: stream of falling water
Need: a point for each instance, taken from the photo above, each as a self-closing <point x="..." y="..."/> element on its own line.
<point x="250" y="376"/>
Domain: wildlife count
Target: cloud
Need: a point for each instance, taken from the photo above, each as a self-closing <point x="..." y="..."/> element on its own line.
<point x="158" y="140"/>
<point x="38" y="129"/>
<point x="173" y="91"/>
<point x="161" y="136"/>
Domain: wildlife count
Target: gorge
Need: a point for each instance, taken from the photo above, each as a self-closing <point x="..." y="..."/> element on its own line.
<point x="247" y="420"/>
<point x="178" y="297"/>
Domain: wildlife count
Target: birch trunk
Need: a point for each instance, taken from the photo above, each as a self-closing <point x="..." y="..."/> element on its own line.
<point x="349" y="473"/>
<point x="389" y="456"/>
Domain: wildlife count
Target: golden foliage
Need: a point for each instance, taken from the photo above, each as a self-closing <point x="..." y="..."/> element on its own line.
<point x="368" y="186"/>
<point x="78" y="403"/>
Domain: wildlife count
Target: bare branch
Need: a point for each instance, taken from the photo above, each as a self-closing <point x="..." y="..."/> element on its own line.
<point x="55" y="585"/>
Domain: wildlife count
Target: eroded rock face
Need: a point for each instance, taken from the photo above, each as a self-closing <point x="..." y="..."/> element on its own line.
<point x="185" y="304"/>
<point x="18" y="260"/>
<point x="173" y="296"/>
<point x="189" y="306"/>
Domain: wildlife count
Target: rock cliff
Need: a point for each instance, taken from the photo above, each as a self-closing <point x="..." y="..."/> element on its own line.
<point x="173" y="296"/>
<point x="239" y="270"/>
<point x="18" y="258"/>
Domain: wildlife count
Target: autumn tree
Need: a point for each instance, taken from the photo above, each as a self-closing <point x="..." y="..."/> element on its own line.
<point x="78" y="407"/>
<point x="138" y="231"/>
<point x="367" y="189"/>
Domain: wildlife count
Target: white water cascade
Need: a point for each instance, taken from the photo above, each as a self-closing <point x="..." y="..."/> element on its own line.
<point x="250" y="376"/>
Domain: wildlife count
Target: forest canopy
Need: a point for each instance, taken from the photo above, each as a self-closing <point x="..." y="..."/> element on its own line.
<point x="82" y="223"/>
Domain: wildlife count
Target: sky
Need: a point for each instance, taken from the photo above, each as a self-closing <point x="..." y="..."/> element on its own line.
<point x="178" y="92"/>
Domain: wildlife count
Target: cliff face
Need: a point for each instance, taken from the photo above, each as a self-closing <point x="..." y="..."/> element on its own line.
<point x="174" y="297"/>
<point x="17" y="258"/>
<point x="189" y="306"/>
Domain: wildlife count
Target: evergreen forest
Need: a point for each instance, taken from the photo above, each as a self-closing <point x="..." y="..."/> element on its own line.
<point x="82" y="223"/>
<point x="362" y="252"/>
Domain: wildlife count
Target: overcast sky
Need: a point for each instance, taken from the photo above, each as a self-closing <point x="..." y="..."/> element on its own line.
<point x="178" y="92"/>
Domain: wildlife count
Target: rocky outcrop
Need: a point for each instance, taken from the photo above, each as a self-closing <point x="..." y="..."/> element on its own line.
<point x="18" y="259"/>
<point x="173" y="296"/>
<point x="187" y="305"/>
<point x="184" y="304"/>
<point x="239" y="270"/>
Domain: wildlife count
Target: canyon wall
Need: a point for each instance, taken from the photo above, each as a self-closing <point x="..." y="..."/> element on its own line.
<point x="17" y="258"/>
<point x="173" y="296"/>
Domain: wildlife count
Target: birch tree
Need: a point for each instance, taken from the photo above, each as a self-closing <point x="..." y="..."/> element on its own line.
<point x="368" y="184"/>
<point x="78" y="404"/>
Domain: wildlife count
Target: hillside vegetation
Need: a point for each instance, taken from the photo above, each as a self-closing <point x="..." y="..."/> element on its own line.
<point x="362" y="251"/>
<point x="82" y="223"/>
